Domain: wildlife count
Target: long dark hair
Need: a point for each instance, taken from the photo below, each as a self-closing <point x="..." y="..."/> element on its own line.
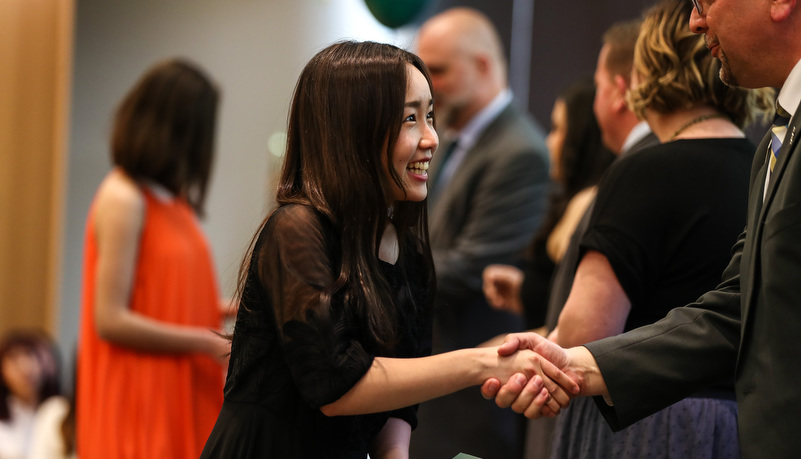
<point x="344" y="121"/>
<point x="44" y="351"/>
<point x="584" y="157"/>
<point x="164" y="130"/>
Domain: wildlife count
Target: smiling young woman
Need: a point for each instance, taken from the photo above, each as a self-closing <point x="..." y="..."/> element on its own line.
<point x="330" y="351"/>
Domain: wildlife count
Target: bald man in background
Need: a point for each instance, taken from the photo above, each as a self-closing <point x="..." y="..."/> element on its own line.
<point x="488" y="185"/>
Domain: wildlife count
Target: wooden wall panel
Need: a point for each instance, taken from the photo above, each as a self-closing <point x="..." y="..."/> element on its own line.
<point x="35" y="68"/>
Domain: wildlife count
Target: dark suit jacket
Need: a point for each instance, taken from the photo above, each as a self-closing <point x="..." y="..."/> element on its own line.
<point x="486" y="214"/>
<point x="749" y="327"/>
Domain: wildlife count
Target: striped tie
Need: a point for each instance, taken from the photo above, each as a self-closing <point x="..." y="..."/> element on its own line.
<point x="778" y="131"/>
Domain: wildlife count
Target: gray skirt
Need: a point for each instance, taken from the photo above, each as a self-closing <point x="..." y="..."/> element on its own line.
<point x="694" y="428"/>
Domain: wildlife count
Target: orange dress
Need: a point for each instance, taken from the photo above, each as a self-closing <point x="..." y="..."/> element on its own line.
<point x="138" y="405"/>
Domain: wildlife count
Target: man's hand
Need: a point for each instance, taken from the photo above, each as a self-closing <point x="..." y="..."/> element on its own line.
<point x="552" y="386"/>
<point x="524" y="396"/>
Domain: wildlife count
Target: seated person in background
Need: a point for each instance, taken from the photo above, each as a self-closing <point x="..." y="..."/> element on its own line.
<point x="53" y="435"/>
<point x="29" y="368"/>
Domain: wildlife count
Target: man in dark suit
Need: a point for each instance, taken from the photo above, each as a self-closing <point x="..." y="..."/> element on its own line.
<point x="486" y="198"/>
<point x="749" y="326"/>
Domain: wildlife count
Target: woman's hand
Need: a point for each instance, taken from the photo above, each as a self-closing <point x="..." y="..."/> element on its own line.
<point x="545" y="380"/>
<point x="216" y="346"/>
<point x="502" y="285"/>
<point x="522" y="397"/>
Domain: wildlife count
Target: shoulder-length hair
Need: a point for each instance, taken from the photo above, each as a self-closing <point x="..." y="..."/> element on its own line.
<point x="164" y="130"/>
<point x="676" y="70"/>
<point x="584" y="157"/>
<point x="344" y="121"/>
<point x="44" y="351"/>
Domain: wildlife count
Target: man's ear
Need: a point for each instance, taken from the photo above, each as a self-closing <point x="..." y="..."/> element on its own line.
<point x="780" y="9"/>
<point x="621" y="86"/>
<point x="482" y="63"/>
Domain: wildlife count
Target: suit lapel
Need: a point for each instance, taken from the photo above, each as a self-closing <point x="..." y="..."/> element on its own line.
<point x="472" y="156"/>
<point x="748" y="268"/>
<point x="482" y="145"/>
<point x="757" y="214"/>
<point x="437" y="161"/>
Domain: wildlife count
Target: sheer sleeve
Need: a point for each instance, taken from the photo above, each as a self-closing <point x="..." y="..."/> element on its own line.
<point x="298" y="261"/>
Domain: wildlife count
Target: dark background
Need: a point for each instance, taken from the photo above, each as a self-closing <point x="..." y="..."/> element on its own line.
<point x="565" y="40"/>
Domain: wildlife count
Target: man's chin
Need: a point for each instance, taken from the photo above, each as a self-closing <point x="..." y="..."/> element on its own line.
<point x="726" y="75"/>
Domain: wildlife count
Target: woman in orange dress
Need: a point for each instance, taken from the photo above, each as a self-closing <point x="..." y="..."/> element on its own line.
<point x="149" y="372"/>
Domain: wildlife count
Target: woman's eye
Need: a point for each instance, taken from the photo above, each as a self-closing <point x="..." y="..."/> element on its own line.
<point x="411" y="117"/>
<point x="430" y="115"/>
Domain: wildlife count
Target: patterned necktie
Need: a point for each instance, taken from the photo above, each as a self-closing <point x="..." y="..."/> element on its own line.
<point x="778" y="133"/>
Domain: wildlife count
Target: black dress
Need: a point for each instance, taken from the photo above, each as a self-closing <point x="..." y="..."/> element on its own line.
<point x="666" y="219"/>
<point x="290" y="356"/>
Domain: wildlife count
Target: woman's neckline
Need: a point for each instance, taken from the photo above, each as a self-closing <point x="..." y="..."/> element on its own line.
<point x="159" y="191"/>
<point x="697" y="123"/>
<point x="388" y="250"/>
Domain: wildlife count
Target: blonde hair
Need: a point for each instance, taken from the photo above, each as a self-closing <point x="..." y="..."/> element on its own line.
<point x="676" y="71"/>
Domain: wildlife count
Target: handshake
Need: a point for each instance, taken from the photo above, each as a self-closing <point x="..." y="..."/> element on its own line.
<point x="560" y="374"/>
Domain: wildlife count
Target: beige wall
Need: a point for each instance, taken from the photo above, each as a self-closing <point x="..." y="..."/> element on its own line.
<point x="254" y="49"/>
<point x="35" y="69"/>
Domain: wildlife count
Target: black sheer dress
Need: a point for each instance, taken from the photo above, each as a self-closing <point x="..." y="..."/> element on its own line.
<point x="290" y="356"/>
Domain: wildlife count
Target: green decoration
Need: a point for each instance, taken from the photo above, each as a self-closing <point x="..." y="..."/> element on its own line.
<point x="395" y="13"/>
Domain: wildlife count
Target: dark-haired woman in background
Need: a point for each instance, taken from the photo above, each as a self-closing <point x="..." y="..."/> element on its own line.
<point x="29" y="376"/>
<point x="149" y="375"/>
<point x="578" y="160"/>
<point x="335" y="298"/>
